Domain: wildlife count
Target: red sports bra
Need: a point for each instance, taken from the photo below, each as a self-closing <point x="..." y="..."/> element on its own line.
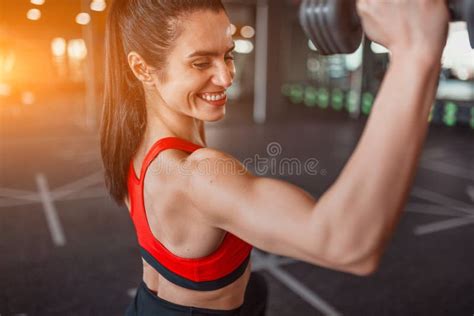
<point x="212" y="272"/>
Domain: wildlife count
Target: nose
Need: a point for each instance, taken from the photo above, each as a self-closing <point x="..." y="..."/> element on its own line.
<point x="224" y="76"/>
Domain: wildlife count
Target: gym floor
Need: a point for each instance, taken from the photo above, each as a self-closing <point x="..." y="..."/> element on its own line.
<point x="67" y="249"/>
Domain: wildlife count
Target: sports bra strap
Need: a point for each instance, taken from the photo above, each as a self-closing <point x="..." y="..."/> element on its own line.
<point x="162" y="144"/>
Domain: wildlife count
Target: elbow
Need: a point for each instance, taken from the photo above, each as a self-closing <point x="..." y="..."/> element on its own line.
<point x="359" y="253"/>
<point x="364" y="268"/>
<point x="358" y="262"/>
<point x="354" y="251"/>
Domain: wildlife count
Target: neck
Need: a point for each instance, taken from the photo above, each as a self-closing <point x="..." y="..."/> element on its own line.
<point x="163" y="123"/>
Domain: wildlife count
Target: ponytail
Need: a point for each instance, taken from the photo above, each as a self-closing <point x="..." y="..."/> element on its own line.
<point x="124" y="112"/>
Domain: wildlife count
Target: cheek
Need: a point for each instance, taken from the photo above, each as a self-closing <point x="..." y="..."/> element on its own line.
<point x="195" y="83"/>
<point x="184" y="91"/>
<point x="182" y="86"/>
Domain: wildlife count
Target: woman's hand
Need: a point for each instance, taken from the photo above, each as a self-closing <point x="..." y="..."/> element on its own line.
<point x="413" y="26"/>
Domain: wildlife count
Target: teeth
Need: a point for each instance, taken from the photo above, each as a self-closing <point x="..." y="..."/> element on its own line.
<point x="213" y="97"/>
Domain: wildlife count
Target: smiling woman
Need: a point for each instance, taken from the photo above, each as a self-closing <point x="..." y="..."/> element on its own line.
<point x="168" y="67"/>
<point x="148" y="69"/>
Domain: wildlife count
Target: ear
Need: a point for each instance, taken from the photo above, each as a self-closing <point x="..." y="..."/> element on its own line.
<point x="140" y="69"/>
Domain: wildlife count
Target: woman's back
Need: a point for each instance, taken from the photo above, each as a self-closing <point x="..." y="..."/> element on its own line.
<point x="176" y="224"/>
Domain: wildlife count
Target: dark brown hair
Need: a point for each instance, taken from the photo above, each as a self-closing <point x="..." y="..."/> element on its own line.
<point x="148" y="27"/>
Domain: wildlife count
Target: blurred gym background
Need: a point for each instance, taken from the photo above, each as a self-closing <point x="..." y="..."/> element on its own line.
<point x="67" y="249"/>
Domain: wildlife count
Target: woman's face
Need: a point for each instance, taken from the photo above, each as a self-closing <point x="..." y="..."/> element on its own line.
<point x="200" y="67"/>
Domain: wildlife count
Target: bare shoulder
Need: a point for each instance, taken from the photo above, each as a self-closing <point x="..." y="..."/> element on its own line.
<point x="190" y="176"/>
<point x="208" y="164"/>
<point x="210" y="154"/>
<point x="165" y="171"/>
<point x="216" y="181"/>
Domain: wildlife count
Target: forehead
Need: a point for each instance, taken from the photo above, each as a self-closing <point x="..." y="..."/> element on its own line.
<point x="205" y="30"/>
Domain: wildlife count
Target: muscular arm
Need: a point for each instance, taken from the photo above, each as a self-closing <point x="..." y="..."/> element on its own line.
<point x="365" y="202"/>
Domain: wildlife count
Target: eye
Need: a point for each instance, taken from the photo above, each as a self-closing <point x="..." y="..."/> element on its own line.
<point x="229" y="57"/>
<point x="201" y="65"/>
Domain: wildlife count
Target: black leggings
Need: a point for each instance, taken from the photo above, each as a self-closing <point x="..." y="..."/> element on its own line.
<point x="147" y="303"/>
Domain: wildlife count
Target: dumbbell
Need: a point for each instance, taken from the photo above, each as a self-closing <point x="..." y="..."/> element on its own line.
<point x="335" y="28"/>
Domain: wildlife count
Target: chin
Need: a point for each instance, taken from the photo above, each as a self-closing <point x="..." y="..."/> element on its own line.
<point x="214" y="117"/>
<point x="212" y="114"/>
<point x="209" y="113"/>
<point x="206" y="116"/>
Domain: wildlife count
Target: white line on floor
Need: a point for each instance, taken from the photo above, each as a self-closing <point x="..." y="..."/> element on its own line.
<point x="444" y="225"/>
<point x="433" y="209"/>
<point x="18" y="194"/>
<point x="446" y="168"/>
<point x="441" y="199"/>
<point x="470" y="192"/>
<point x="78" y="185"/>
<point x="15" y="197"/>
<point x="4" y="203"/>
<point x="81" y="195"/>
<point x="269" y="263"/>
<point x="52" y="218"/>
<point x="309" y="296"/>
<point x="87" y="194"/>
<point x="258" y="264"/>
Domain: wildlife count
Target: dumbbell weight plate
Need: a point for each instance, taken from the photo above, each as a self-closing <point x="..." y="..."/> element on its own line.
<point x="310" y="24"/>
<point x="323" y="24"/>
<point x="304" y="14"/>
<point x="332" y="25"/>
<point x="343" y="24"/>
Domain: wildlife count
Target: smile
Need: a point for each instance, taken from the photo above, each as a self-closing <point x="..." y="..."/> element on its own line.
<point x="212" y="96"/>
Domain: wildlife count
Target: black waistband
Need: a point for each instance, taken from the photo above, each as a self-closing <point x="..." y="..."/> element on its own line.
<point x="189" y="284"/>
<point x="146" y="303"/>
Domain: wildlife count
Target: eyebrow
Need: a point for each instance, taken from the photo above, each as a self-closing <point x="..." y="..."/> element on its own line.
<point x="209" y="53"/>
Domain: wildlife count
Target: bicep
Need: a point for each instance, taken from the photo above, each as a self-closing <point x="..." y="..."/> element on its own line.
<point x="271" y="214"/>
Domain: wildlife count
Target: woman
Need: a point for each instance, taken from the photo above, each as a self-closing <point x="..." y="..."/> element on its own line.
<point x="169" y="65"/>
